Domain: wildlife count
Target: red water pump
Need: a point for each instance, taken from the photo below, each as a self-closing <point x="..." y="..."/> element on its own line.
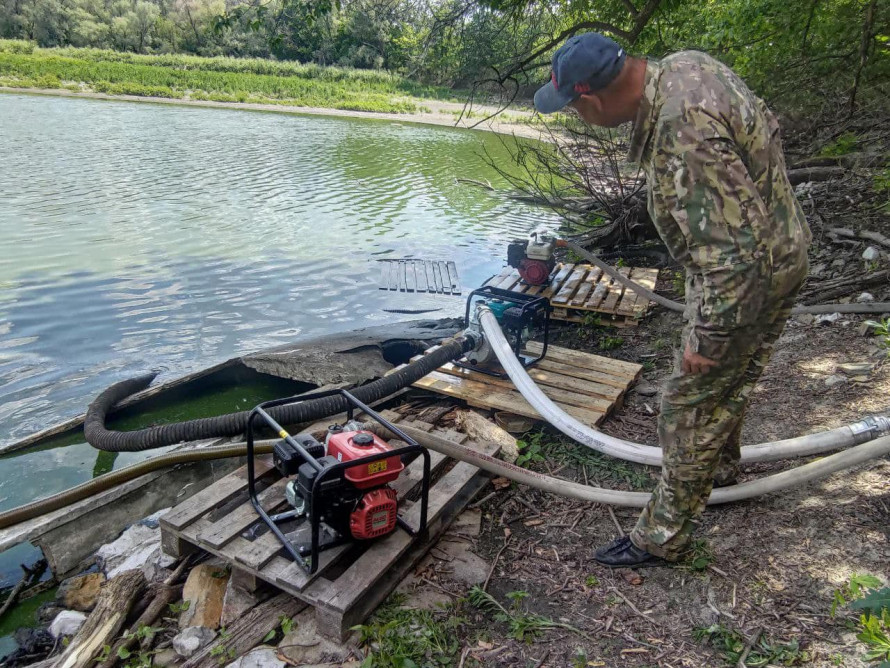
<point x="340" y="488"/>
<point x="533" y="258"/>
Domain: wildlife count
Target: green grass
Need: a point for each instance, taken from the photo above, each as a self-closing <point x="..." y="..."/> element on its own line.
<point x="218" y="79"/>
<point x="397" y="637"/>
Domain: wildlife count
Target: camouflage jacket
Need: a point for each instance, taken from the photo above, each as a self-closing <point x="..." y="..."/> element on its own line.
<point x="718" y="193"/>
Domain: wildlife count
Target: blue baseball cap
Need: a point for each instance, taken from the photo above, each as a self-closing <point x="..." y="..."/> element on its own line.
<point x="585" y="63"/>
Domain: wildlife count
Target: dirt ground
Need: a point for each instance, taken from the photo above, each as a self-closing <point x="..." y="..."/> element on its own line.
<point x="764" y="569"/>
<point x="763" y="573"/>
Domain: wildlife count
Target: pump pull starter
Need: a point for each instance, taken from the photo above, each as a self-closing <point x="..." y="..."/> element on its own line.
<point x="339" y="488"/>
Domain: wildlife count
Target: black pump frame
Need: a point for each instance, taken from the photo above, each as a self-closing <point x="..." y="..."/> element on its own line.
<point x="530" y="306"/>
<point x="314" y="548"/>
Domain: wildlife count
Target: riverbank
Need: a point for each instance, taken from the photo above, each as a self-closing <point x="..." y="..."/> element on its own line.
<point x="249" y="83"/>
<point x="438" y="113"/>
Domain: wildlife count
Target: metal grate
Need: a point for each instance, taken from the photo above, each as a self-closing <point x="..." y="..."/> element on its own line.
<point x="435" y="276"/>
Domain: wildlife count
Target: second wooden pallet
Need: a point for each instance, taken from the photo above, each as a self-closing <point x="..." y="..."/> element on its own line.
<point x="576" y="290"/>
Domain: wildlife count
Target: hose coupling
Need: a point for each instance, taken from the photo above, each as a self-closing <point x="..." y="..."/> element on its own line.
<point x="870" y="428"/>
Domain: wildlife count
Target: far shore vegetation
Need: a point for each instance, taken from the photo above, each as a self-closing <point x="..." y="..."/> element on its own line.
<point x="222" y="79"/>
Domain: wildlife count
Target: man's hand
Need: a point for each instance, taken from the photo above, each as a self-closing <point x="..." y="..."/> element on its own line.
<point x="695" y="363"/>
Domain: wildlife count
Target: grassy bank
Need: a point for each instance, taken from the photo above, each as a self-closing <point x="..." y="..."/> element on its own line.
<point x="219" y="79"/>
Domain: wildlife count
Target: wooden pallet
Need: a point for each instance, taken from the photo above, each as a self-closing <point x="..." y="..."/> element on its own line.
<point x="577" y="289"/>
<point x="219" y="518"/>
<point x="587" y="387"/>
<point x="433" y="276"/>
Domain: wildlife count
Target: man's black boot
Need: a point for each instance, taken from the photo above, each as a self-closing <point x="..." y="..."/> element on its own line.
<point x="622" y="553"/>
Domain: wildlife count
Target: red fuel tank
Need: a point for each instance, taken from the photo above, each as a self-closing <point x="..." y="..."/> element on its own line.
<point x="347" y="446"/>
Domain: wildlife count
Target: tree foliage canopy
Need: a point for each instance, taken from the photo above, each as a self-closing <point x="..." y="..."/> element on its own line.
<point x="803" y="53"/>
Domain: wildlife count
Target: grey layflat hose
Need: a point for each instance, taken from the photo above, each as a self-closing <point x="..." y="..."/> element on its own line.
<point x="876" y="307"/>
<point x="800" y="475"/>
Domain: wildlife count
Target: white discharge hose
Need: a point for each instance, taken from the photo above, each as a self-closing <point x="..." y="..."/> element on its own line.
<point x="843" y="437"/>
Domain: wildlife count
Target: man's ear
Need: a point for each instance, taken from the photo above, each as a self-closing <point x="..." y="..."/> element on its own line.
<point x="594" y="101"/>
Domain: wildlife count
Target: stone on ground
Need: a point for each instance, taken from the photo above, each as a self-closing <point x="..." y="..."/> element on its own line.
<point x="205" y="589"/>
<point x="80" y="592"/>
<point x="134" y="548"/>
<point x="261" y="657"/>
<point x="192" y="639"/>
<point x="67" y="623"/>
<point x="305" y="646"/>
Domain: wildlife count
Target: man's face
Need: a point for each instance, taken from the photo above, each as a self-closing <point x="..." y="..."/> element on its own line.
<point x="593" y="109"/>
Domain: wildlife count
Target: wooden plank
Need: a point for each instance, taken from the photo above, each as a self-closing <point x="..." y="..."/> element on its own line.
<point x="616" y="290"/>
<point x="568" y="289"/>
<point x="478" y="384"/>
<point x="497" y="278"/>
<point x="420" y="274"/>
<point x="599" y="292"/>
<point x="587" y="360"/>
<point x="546" y="378"/>
<point x="410" y="281"/>
<point x="394" y="275"/>
<point x="260" y="551"/>
<point x="384" y="274"/>
<point x="455" y="281"/>
<point x="443" y="277"/>
<point x="488" y="396"/>
<point x="575" y="371"/>
<point x="509" y="281"/>
<point x="240" y="519"/>
<point x="210" y="497"/>
<point x="403" y="276"/>
<point x="586" y="286"/>
<point x="563" y="272"/>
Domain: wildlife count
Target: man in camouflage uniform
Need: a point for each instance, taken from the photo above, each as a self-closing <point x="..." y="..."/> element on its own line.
<point x="720" y="199"/>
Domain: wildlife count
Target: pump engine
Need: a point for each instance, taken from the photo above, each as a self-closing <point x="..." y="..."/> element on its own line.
<point x="533" y="258"/>
<point x="340" y="487"/>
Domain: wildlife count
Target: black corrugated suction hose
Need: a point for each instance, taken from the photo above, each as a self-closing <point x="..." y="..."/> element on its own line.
<point x="236" y="423"/>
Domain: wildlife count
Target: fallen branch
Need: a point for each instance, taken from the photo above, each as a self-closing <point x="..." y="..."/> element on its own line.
<point x="865" y="235"/>
<point x="30" y="574"/>
<point x="101" y="627"/>
<point x="164" y="594"/>
<point x="798" y="176"/>
<point x="474" y="182"/>
<point x="748" y="647"/>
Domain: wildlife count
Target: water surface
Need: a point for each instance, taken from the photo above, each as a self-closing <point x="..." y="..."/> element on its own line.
<point x="142" y="236"/>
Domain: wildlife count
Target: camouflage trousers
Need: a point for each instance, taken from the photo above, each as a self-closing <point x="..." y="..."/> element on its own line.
<point x="699" y="429"/>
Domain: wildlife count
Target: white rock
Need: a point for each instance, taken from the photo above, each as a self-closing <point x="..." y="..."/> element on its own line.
<point x="262" y="657"/>
<point x="835" y="379"/>
<point x="67" y="623"/>
<point x="827" y="318"/>
<point x="645" y="389"/>
<point x="871" y="253"/>
<point x="865" y="298"/>
<point x="135" y="547"/>
<point x="192" y="639"/>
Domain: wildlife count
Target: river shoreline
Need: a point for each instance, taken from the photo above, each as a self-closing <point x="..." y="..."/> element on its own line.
<point x="441" y="115"/>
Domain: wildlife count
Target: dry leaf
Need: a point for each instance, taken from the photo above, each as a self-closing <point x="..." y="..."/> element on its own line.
<point x="507" y="532"/>
<point x="632" y="577"/>
<point x="501" y="483"/>
<point x="533" y="523"/>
